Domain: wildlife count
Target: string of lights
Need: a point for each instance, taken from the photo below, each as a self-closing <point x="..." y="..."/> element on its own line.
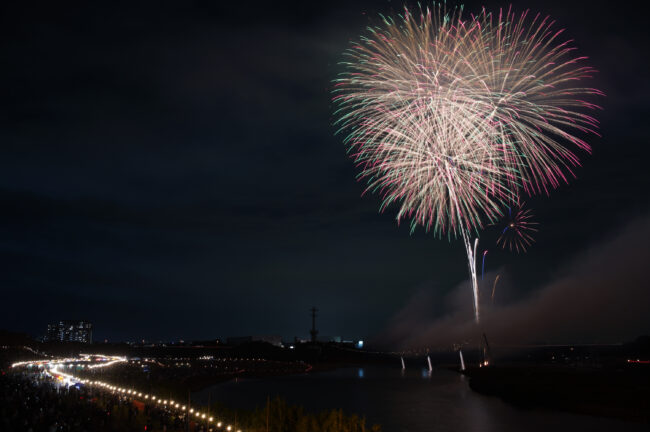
<point x="52" y="368"/>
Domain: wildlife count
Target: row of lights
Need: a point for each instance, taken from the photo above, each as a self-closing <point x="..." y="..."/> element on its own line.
<point x="131" y="392"/>
<point x="109" y="360"/>
<point x="154" y="399"/>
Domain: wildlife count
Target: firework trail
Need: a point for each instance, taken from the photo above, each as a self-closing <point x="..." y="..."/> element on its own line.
<point x="483" y="265"/>
<point x="494" y="287"/>
<point x="453" y="118"/>
<point x="471" y="263"/>
<point x="517" y="234"/>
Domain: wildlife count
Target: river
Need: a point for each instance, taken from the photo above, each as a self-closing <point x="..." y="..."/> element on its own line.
<point x="410" y="401"/>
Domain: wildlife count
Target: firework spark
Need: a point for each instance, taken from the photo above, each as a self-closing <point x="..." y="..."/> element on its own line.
<point x="485" y="252"/>
<point x="494" y="287"/>
<point x="453" y="118"/>
<point x="517" y="235"/>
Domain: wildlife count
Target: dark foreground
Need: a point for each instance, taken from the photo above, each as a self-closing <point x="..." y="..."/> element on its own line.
<point x="618" y="393"/>
<point x="34" y="402"/>
<point x="596" y="381"/>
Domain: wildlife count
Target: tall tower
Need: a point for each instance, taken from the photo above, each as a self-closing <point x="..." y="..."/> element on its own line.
<point x="313" y="331"/>
<point x="485" y="351"/>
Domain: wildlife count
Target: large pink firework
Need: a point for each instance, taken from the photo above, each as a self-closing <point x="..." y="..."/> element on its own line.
<point x="452" y="118"/>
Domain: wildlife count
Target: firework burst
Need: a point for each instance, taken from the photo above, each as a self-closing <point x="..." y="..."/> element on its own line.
<point x="451" y="118"/>
<point x="518" y="232"/>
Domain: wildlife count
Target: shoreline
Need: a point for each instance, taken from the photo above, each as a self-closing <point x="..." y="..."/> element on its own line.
<point x="620" y="394"/>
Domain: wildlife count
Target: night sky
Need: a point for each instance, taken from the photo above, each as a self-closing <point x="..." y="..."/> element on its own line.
<point x="171" y="171"/>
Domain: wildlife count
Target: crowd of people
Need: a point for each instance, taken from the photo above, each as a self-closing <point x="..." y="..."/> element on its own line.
<point x="35" y="402"/>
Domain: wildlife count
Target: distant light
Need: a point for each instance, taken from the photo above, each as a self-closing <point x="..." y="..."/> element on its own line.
<point x="360" y="344"/>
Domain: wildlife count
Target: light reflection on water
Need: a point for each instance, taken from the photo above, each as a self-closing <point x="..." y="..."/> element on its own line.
<point x="414" y="400"/>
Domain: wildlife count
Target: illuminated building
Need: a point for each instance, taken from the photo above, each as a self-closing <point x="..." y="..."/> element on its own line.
<point x="70" y="331"/>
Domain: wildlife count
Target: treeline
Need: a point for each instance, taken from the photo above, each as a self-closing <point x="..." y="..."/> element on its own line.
<point x="279" y="416"/>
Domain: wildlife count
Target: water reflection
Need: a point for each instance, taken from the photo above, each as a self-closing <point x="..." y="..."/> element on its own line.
<point x="411" y="400"/>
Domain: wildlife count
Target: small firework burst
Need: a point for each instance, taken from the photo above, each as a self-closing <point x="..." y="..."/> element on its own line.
<point x="517" y="235"/>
